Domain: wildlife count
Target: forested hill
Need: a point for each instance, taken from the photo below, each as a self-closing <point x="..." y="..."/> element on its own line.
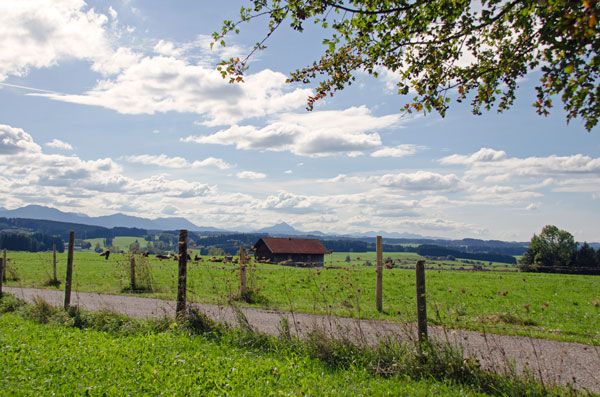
<point x="61" y="229"/>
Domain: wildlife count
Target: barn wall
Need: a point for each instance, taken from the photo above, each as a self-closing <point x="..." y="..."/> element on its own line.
<point x="262" y="251"/>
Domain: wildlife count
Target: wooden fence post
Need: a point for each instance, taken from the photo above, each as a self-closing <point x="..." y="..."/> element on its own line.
<point x="132" y="272"/>
<point x="55" y="278"/>
<point x="421" y="303"/>
<point x="69" y="270"/>
<point x="5" y="264"/>
<point x="379" y="271"/>
<point x="242" y="273"/>
<point x="2" y="267"/>
<point x="182" y="281"/>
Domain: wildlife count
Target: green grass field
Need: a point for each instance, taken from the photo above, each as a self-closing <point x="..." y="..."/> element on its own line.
<point x="40" y="360"/>
<point x="408" y="260"/>
<point x="561" y="307"/>
<point x="122" y="242"/>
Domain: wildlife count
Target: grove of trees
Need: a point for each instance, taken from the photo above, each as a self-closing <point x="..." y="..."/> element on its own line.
<point x="33" y="242"/>
<point x="555" y="251"/>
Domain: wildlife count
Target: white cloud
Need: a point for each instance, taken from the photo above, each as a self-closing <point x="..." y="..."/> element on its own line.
<point x="420" y="180"/>
<point x="250" y="175"/>
<point x="181" y="78"/>
<point x="167" y="48"/>
<point x="161" y="84"/>
<point x="289" y="202"/>
<point x="58" y="144"/>
<point x="163" y="160"/>
<point x="493" y="162"/>
<point x="41" y="33"/>
<point x="319" y="133"/>
<point x="30" y="171"/>
<point x="14" y="140"/>
<point x="397" y="151"/>
<point x="483" y="155"/>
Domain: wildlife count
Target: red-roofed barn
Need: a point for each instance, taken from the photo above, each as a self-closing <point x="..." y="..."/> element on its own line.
<point x="292" y="251"/>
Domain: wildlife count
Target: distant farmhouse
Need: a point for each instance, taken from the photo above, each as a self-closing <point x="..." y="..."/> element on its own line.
<point x="290" y="251"/>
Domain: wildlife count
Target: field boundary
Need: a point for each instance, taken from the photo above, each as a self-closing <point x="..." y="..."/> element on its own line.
<point x="553" y="362"/>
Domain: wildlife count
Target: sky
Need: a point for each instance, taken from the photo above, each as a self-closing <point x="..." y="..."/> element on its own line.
<point x="117" y="106"/>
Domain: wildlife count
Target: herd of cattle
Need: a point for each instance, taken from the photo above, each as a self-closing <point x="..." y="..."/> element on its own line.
<point x="174" y="257"/>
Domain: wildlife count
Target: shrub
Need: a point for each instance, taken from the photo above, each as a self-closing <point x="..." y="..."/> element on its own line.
<point x="10" y="303"/>
<point x="40" y="311"/>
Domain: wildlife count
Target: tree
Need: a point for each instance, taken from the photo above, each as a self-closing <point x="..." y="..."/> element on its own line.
<point x="134" y="247"/>
<point x="553" y="250"/>
<point x="585" y="259"/>
<point x="98" y="248"/>
<point x="216" y="251"/>
<point x="479" y="48"/>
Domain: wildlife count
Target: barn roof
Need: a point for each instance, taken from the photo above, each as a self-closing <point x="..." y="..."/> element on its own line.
<point x="289" y="245"/>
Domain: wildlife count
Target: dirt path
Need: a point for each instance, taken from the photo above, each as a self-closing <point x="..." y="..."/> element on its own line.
<point x="554" y="362"/>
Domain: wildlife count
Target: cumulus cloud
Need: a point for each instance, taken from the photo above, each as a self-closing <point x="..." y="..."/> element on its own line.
<point x="494" y="162"/>
<point x="420" y="180"/>
<point x="397" y="151"/>
<point x="163" y="160"/>
<point x="27" y="167"/>
<point x="58" y="144"/>
<point x="160" y="84"/>
<point x="250" y="175"/>
<point x="41" y="33"/>
<point x="481" y="156"/>
<point x="319" y="133"/>
<point x="289" y="202"/>
<point x="14" y="140"/>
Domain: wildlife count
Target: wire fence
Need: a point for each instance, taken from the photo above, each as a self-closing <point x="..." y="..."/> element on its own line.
<point x="346" y="285"/>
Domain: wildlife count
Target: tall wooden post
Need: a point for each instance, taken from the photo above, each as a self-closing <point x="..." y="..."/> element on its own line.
<point x="2" y="267"/>
<point x="379" y="271"/>
<point x="4" y="264"/>
<point x="132" y="272"/>
<point x="242" y="273"/>
<point x="421" y="303"/>
<point x="182" y="280"/>
<point x="55" y="278"/>
<point x="69" y="278"/>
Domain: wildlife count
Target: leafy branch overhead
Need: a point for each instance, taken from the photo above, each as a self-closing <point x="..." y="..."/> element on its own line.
<point x="478" y="49"/>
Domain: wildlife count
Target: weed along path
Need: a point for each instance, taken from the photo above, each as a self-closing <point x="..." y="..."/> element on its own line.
<point x="562" y="363"/>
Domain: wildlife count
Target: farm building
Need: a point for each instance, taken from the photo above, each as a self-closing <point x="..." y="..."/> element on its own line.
<point x="291" y="251"/>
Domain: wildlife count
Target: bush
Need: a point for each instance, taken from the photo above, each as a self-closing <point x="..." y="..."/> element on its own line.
<point x="40" y="311"/>
<point x="10" y="303"/>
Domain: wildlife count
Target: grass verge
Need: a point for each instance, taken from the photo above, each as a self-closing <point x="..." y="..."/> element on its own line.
<point x="273" y="365"/>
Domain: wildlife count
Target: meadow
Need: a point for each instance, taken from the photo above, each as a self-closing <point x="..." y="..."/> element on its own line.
<point x="121" y="242"/>
<point x="553" y="306"/>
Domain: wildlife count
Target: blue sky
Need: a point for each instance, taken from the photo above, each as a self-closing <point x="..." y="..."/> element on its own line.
<point x="121" y="110"/>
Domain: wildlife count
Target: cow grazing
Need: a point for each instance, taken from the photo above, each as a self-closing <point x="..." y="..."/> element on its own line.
<point x="105" y="254"/>
<point x="161" y="256"/>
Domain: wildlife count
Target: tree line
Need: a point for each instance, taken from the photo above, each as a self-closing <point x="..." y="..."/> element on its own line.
<point x="436" y="250"/>
<point x="555" y="251"/>
<point x="32" y="242"/>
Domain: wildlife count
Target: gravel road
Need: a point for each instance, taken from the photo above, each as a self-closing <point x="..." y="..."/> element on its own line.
<point x="554" y="362"/>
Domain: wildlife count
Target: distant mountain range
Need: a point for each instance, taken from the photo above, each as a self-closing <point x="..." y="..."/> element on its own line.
<point x="109" y="221"/>
<point x="174" y="223"/>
